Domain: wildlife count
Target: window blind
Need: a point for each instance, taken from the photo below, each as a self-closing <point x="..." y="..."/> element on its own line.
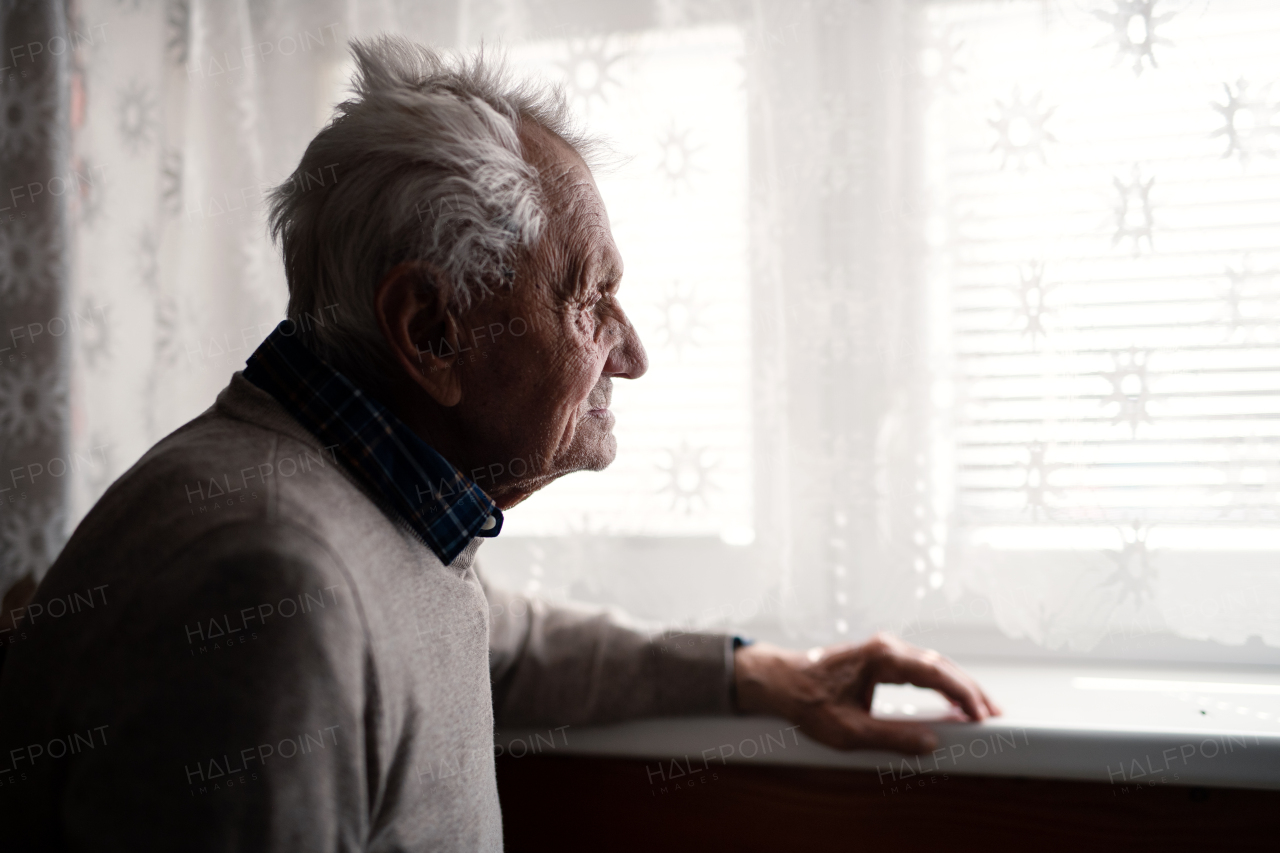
<point x="1112" y="268"/>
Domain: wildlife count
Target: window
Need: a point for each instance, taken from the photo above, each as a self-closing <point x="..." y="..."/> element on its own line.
<point x="1109" y="180"/>
<point x="999" y="368"/>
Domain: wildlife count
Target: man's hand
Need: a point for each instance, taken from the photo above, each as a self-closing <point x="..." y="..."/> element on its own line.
<point x="828" y="691"/>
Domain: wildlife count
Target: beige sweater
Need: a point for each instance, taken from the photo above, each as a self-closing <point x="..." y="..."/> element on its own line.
<point x="239" y="650"/>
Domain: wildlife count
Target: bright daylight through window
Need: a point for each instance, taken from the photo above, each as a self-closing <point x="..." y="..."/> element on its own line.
<point x="1111" y="193"/>
<point x="1097" y="192"/>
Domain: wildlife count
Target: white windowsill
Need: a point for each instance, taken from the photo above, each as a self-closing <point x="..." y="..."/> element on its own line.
<point x="1123" y="726"/>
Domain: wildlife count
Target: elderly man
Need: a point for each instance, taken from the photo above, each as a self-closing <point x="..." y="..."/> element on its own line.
<point x="280" y="637"/>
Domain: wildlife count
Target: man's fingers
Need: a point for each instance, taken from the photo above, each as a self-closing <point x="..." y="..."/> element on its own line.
<point x="936" y="672"/>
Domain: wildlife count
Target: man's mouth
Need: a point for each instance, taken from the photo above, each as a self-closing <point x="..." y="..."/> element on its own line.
<point x="599" y="408"/>
<point x="598" y="402"/>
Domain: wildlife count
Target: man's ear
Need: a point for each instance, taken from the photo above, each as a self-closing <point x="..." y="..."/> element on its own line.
<point x="412" y="307"/>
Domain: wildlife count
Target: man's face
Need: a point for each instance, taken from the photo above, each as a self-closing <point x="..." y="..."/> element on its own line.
<point x="536" y="393"/>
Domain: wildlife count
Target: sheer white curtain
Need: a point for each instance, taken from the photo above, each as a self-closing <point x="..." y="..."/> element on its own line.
<point x="964" y="317"/>
<point x="1109" y="207"/>
<point x="192" y="110"/>
<point x="1012" y="335"/>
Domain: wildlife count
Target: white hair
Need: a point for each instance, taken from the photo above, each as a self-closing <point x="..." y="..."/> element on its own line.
<point x="424" y="163"/>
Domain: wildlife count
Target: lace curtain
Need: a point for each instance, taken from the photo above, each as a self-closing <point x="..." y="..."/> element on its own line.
<point x="963" y="316"/>
<point x="36" y="105"/>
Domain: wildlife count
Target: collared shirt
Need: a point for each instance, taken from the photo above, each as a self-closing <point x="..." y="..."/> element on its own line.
<point x="438" y="501"/>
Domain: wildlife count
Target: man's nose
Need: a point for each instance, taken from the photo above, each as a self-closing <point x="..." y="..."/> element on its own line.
<point x="627" y="359"/>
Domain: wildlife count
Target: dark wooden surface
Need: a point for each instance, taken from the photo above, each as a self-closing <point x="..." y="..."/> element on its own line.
<point x="561" y="803"/>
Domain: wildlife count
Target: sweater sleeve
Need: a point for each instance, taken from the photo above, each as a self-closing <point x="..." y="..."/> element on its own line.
<point x="226" y="708"/>
<point x="560" y="665"/>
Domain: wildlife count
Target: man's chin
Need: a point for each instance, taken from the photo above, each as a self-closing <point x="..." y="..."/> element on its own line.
<point x="604" y="454"/>
<point x="594" y="455"/>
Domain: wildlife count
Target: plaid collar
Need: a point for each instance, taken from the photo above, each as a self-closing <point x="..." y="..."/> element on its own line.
<point x="442" y="505"/>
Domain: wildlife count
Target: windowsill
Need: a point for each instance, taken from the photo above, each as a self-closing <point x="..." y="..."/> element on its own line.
<point x="1124" y="726"/>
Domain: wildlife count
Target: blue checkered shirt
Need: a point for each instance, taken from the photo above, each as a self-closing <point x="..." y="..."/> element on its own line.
<point x="437" y="500"/>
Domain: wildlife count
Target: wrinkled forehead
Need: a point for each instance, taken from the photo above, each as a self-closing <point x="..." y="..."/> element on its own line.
<point x="567" y="182"/>
<point x="577" y="213"/>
